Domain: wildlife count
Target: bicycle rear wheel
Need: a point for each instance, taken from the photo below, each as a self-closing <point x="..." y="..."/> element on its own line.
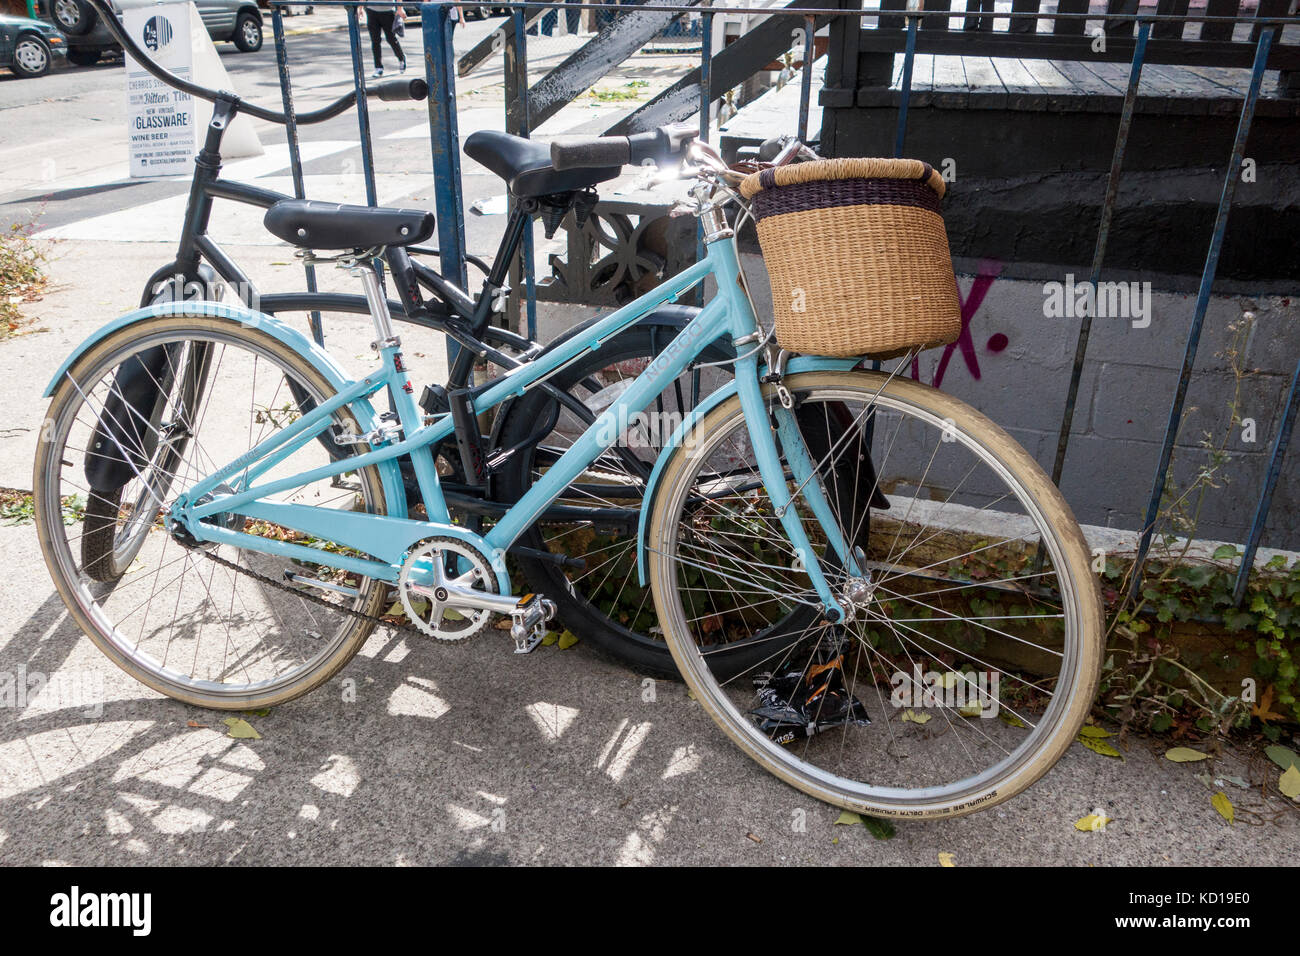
<point x="204" y="623"/>
<point x="957" y="620"/>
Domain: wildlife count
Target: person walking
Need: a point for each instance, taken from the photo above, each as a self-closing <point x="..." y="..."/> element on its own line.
<point x="381" y="20"/>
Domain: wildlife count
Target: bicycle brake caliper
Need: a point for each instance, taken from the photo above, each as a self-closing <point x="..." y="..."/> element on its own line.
<point x="776" y="374"/>
<point x="529" y="619"/>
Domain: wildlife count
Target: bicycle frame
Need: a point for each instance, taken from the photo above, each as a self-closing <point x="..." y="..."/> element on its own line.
<point x="388" y="537"/>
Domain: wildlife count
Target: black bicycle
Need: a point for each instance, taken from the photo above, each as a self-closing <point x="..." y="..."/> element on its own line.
<point x="581" y="550"/>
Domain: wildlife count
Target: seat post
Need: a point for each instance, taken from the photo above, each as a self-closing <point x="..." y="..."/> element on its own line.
<point x="378" y="304"/>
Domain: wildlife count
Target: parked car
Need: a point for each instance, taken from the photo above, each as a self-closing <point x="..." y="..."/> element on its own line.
<point x="27" y="46"/>
<point x="238" y="21"/>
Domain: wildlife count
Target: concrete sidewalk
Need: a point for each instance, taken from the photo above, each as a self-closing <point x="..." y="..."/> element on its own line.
<point x="474" y="755"/>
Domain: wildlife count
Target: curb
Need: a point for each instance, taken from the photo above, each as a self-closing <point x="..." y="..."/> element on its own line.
<point x="307" y="31"/>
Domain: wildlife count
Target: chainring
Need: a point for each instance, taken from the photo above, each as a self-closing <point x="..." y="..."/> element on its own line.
<point x="439" y="617"/>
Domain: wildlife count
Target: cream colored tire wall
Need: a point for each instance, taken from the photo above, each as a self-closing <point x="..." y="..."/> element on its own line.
<point x="67" y="400"/>
<point x="1073" y="562"/>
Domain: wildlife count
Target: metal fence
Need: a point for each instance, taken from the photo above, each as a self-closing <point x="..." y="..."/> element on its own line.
<point x="1134" y="29"/>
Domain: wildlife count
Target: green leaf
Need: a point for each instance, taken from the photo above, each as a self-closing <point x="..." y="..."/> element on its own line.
<point x="567" y="640"/>
<point x="1284" y="757"/>
<point x="1221" y="803"/>
<point x="1161" y="722"/>
<point x="1235" y="620"/>
<point x="847" y="819"/>
<point x="1196" y="575"/>
<point x="1225" y="552"/>
<point x="1097" y="745"/>
<point x="1185" y="755"/>
<point x="1091" y="731"/>
<point x="1007" y="717"/>
<point x="878" y="828"/>
<point x="240" y="729"/>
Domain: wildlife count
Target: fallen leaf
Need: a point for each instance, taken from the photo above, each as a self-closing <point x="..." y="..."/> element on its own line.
<point x="258" y="713"/>
<point x="949" y="680"/>
<point x="1221" y="803"/>
<point x="1284" y="757"/>
<point x="550" y="638"/>
<point x="847" y="818"/>
<point x="1090" y="731"/>
<point x="915" y="718"/>
<point x="971" y="710"/>
<point x="240" y="729"/>
<point x="194" y="723"/>
<point x="1009" y="718"/>
<point x="1091" y="823"/>
<point x="1185" y="755"/>
<point x="1290" y="782"/>
<point x="878" y="828"/>
<point x="1235" y="781"/>
<point x="1264" y="709"/>
<point x="567" y="640"/>
<point x="753" y="837"/>
<point x="945" y="859"/>
<point x="1096" y="745"/>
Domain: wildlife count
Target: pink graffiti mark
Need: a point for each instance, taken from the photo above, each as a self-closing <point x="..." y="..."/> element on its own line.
<point x="989" y="270"/>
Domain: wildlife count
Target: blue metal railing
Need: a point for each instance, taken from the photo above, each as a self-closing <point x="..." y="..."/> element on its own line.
<point x="440" y="64"/>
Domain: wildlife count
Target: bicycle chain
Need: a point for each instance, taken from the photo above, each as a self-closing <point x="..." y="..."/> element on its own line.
<point x="315" y="598"/>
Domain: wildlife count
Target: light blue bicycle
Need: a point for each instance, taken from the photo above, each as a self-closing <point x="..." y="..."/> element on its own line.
<point x="896" y="566"/>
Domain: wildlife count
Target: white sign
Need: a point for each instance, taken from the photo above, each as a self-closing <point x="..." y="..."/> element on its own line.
<point x="161" y="120"/>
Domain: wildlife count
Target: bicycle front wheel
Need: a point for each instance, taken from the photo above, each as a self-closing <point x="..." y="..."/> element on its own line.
<point x="971" y="647"/>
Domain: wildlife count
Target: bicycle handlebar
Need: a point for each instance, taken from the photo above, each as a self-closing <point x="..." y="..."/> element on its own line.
<point x="661" y="144"/>
<point x="389" y="91"/>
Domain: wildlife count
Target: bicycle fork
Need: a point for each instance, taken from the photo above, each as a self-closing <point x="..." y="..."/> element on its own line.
<point x="764" y="433"/>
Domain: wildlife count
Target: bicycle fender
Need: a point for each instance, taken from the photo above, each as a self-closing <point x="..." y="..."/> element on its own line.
<point x="321" y="360"/>
<point x="800" y="363"/>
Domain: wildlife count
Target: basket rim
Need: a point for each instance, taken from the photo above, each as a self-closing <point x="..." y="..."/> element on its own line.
<point x="823" y="170"/>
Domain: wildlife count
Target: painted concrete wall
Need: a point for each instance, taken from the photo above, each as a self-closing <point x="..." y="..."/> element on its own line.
<point x="1014" y="364"/>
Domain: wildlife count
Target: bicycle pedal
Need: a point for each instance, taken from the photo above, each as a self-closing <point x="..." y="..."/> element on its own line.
<point x="528" y="621"/>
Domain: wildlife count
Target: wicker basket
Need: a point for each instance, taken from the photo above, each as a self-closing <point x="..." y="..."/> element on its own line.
<point x="857" y="256"/>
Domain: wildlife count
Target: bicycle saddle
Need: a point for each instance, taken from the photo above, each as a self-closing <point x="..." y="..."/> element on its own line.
<point x="313" y="224"/>
<point x="526" y="167"/>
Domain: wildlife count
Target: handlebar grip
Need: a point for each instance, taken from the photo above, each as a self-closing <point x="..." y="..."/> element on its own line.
<point x="396" y="91"/>
<point x="590" y="152"/>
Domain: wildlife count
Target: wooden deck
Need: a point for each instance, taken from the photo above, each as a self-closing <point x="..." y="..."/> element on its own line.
<point x="981" y="82"/>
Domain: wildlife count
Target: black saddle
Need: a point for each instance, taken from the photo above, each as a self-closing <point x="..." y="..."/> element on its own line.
<point x="526" y="167"/>
<point x="313" y="224"/>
